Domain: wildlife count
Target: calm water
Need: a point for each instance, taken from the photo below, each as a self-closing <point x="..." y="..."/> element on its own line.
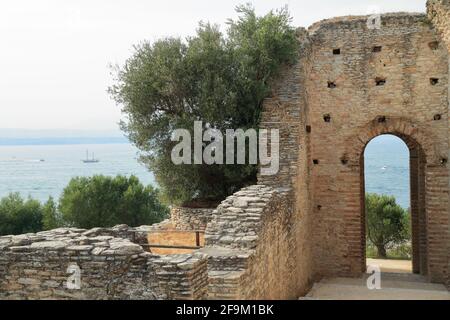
<point x="386" y="161"/>
<point x="21" y="170"/>
<point x="386" y="167"/>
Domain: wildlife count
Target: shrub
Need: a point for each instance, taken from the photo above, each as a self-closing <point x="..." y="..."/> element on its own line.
<point x="102" y="201"/>
<point x="18" y="216"/>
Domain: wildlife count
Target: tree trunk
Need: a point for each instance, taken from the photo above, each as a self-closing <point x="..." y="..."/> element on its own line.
<point x="381" y="250"/>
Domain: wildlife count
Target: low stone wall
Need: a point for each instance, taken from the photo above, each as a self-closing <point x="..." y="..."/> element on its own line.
<point x="36" y="266"/>
<point x="183" y="218"/>
<point x="251" y="245"/>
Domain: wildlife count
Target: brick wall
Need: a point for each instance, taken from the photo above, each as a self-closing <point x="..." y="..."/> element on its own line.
<point x="345" y="116"/>
<point x="351" y="85"/>
<point x="439" y="14"/>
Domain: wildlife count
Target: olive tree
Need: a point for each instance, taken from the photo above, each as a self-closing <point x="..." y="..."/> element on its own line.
<point x="218" y="78"/>
<point x="387" y="223"/>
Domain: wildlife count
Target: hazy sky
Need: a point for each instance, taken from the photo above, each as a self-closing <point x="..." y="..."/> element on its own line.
<point x="54" y="54"/>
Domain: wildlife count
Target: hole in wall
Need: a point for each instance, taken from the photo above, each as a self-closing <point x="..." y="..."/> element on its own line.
<point x="331" y="84"/>
<point x="434" y="81"/>
<point x="380" y="81"/>
<point x="377" y="49"/>
<point x="381" y="119"/>
<point x="444" y="161"/>
<point x="327" y="118"/>
<point x="316" y="161"/>
<point x="336" y="51"/>
<point x="434" y="45"/>
<point x="308" y="129"/>
<point x="344" y="160"/>
<point x="319" y="207"/>
<point x="437" y="117"/>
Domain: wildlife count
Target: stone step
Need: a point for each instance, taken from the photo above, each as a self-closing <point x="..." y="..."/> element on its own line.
<point x="388" y="282"/>
<point x="393" y="288"/>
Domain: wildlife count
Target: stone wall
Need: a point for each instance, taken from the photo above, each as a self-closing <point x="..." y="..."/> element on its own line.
<point x="251" y="243"/>
<point x="183" y="218"/>
<point x="285" y="111"/>
<point x="439" y="14"/>
<point x="35" y="266"/>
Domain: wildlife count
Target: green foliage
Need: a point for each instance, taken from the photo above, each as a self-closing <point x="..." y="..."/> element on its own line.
<point x="101" y="201"/>
<point x="19" y="216"/>
<point x="387" y="224"/>
<point x="51" y="218"/>
<point x="216" y="78"/>
<point x="402" y="251"/>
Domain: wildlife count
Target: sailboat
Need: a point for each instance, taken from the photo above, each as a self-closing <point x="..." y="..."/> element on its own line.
<point x="92" y="160"/>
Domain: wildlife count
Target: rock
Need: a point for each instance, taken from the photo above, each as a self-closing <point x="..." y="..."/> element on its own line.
<point x="80" y="248"/>
<point x="28" y="281"/>
<point x="51" y="245"/>
<point x="240" y="203"/>
<point x="125" y="248"/>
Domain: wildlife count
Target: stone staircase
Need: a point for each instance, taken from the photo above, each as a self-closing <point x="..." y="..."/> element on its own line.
<point x="393" y="287"/>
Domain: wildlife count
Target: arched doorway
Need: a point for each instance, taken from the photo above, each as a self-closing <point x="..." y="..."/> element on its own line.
<point x="428" y="193"/>
<point x="394" y="165"/>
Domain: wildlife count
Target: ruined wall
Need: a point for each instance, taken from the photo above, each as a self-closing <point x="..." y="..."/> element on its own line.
<point x="251" y="244"/>
<point x="35" y="266"/>
<point x="287" y="110"/>
<point x="439" y="15"/>
<point x="284" y="110"/>
<point x="183" y="218"/>
<point x="350" y="85"/>
<point x="362" y="83"/>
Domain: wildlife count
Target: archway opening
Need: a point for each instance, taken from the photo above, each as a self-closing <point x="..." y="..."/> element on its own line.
<point x="393" y="205"/>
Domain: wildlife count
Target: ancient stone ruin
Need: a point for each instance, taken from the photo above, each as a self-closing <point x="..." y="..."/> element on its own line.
<point x="353" y="82"/>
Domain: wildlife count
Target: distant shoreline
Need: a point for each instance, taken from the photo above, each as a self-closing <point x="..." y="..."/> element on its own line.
<point x="61" y="141"/>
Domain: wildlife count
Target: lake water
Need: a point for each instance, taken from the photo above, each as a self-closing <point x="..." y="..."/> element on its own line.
<point x="22" y="171"/>
<point x="386" y="163"/>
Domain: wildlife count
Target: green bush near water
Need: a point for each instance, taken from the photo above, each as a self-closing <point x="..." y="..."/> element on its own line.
<point x="86" y="202"/>
<point x="18" y="215"/>
<point x="102" y="201"/>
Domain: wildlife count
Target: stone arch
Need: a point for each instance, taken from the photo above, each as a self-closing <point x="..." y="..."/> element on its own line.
<point x="427" y="175"/>
<point x="411" y="133"/>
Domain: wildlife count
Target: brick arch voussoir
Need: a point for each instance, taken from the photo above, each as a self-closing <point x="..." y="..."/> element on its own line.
<point x="413" y="136"/>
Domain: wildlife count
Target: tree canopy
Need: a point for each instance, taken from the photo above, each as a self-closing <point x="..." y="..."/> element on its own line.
<point x="86" y="202"/>
<point x="219" y="79"/>
<point x="18" y="215"/>
<point x="102" y="201"/>
<point x="386" y="222"/>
